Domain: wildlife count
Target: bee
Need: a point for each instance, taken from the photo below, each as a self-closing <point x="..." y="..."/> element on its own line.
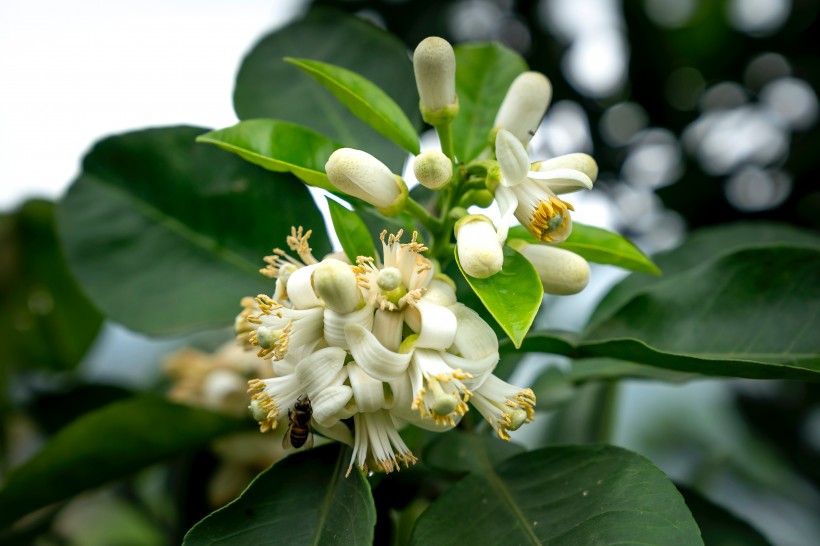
<point x="298" y="432"/>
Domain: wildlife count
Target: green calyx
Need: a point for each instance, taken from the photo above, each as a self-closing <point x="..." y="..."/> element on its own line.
<point x="442" y="116"/>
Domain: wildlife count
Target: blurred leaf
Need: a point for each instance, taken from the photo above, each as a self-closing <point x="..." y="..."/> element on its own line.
<point x="597" y="369"/>
<point x="701" y="246"/>
<point x="303" y="499"/>
<point x="351" y="231"/>
<point x="49" y="321"/>
<point x="55" y="410"/>
<point x="484" y="72"/>
<point x="562" y="495"/>
<point x="460" y="452"/>
<point x="512" y="296"/>
<point x="278" y="146"/>
<point x="107" y="444"/>
<point x="600" y="246"/>
<point x="167" y="235"/>
<point x="333" y="37"/>
<point x="718" y="526"/>
<point x="366" y="100"/>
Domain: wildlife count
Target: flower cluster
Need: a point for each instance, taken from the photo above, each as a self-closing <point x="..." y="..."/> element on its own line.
<point x="380" y="343"/>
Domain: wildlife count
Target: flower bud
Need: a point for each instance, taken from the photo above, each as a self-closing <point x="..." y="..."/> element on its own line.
<point x="479" y="251"/>
<point x="335" y="283"/>
<point x="361" y="175"/>
<point x="432" y="169"/>
<point x="524" y="105"/>
<point x="562" y="272"/>
<point x="434" y="64"/>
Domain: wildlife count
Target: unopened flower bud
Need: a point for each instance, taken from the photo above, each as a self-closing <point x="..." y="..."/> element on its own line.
<point x="361" y="175"/>
<point x="434" y="64"/>
<point x="432" y="169"/>
<point x="524" y="105"/>
<point x="562" y="272"/>
<point x="335" y="283"/>
<point x="479" y="251"/>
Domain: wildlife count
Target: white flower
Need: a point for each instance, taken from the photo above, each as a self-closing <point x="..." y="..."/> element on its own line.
<point x="531" y="195"/>
<point x="504" y="406"/>
<point x="361" y="175"/>
<point x="524" y="105"/>
<point x="377" y="445"/>
<point x="432" y="169"/>
<point x="562" y="272"/>
<point x="434" y="64"/>
<point x="479" y="251"/>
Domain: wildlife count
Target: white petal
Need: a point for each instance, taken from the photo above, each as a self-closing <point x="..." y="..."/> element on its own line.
<point x="474" y="338"/>
<point x="438" y="326"/>
<point x="441" y="291"/>
<point x="338" y="432"/>
<point x="378" y="361"/>
<point x="507" y="203"/>
<point x="403" y="393"/>
<point x="480" y="369"/>
<point x="335" y="324"/>
<point x="328" y="404"/>
<point x="512" y="157"/>
<point x="368" y="393"/>
<point x="387" y="327"/>
<point x="300" y="288"/>
<point x="563" y="180"/>
<point x="320" y="370"/>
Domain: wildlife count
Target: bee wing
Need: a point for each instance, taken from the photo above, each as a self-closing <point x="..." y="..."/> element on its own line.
<point x="286" y="438"/>
<point x="309" y="441"/>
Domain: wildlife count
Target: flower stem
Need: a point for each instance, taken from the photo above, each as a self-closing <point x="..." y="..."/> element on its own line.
<point x="445" y="136"/>
<point x="420" y="213"/>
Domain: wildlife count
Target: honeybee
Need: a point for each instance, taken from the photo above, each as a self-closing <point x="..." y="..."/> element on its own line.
<point x="298" y="432"/>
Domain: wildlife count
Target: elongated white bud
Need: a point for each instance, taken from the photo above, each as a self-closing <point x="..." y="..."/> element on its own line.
<point x="479" y="251"/>
<point x="361" y="175"/>
<point x="562" y="272"/>
<point x="524" y="105"/>
<point x="432" y="169"/>
<point x="434" y="64"/>
<point x="335" y="283"/>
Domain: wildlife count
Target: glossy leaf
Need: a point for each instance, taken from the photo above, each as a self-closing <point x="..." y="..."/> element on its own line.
<point x="107" y="444"/>
<point x="351" y="231"/>
<point x="49" y="321"/>
<point x="304" y="499"/>
<point x="343" y="40"/>
<point x="599" y="246"/>
<point x="366" y="100"/>
<point x="278" y="146"/>
<point x="484" y="72"/>
<point x="561" y="495"/>
<point x="512" y="296"/>
<point x="461" y="452"/>
<point x="166" y="235"/>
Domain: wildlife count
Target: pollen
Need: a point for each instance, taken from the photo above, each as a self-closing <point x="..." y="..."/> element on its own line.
<point x="549" y="216"/>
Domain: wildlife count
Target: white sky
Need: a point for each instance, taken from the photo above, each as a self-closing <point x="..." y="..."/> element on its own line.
<point x="73" y="72"/>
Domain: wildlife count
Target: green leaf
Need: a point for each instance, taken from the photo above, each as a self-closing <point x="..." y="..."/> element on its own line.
<point x="304" y="499"/>
<point x="484" y="72"/>
<point x="351" y="231"/>
<point x="512" y="296"/>
<point x="599" y="246"/>
<point x="107" y="444"/>
<point x="701" y="246"/>
<point x="365" y="99"/>
<point x="166" y="235"/>
<point x="461" y="452"/>
<point x="268" y="87"/>
<point x="51" y="323"/>
<point x="561" y="495"/>
<point x="278" y="146"/>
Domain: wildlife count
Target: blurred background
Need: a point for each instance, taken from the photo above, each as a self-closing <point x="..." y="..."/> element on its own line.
<point x="699" y="112"/>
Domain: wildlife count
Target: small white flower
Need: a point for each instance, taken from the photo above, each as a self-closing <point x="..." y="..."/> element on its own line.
<point x="532" y="195"/>
<point x="562" y="272"/>
<point x="378" y="445"/>
<point x="524" y="105"/>
<point x="504" y="406"/>
<point x="361" y="175"/>
<point x="434" y="64"/>
<point x="432" y="169"/>
<point x="479" y="251"/>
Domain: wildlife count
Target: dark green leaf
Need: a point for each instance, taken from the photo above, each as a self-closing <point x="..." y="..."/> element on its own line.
<point x="50" y="322"/>
<point x="512" y="296"/>
<point x="304" y="499"/>
<point x="584" y="495"/>
<point x="278" y="146"/>
<point x="484" y="72"/>
<point x="107" y="444"/>
<point x="268" y="87"/>
<point x="351" y="231"/>
<point x="459" y="452"/>
<point x="366" y="100"/>
<point x="599" y="246"/>
<point x="167" y="236"/>
<point x="718" y="526"/>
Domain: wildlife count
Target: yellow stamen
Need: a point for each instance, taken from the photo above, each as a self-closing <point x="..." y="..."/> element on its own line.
<point x="548" y="217"/>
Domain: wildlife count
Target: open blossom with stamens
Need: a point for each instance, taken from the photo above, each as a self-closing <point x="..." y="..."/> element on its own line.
<point x="382" y="343"/>
<point x="532" y="195"/>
